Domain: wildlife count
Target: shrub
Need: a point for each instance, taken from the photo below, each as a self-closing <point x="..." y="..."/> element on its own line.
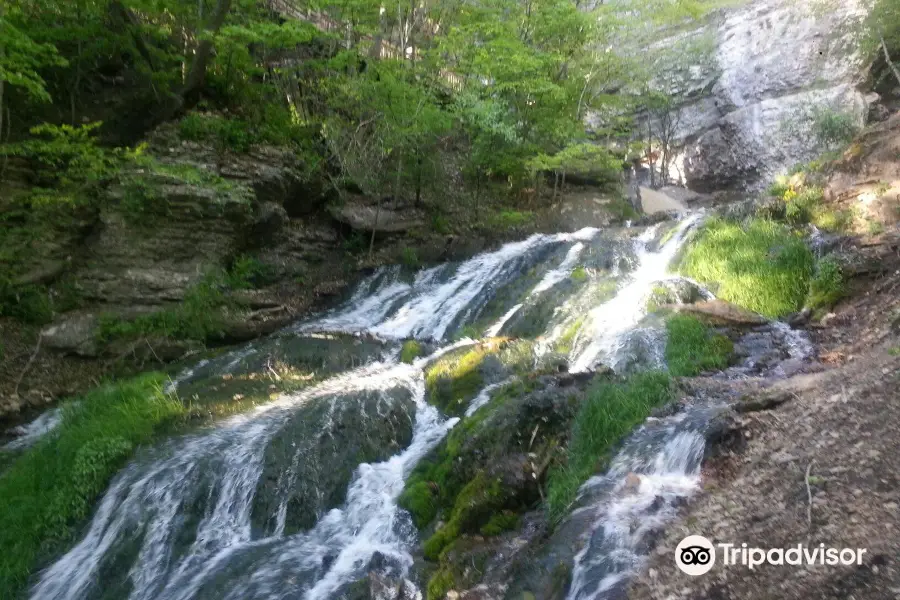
<point x="691" y="348"/>
<point x="834" y="128"/>
<point x="761" y="266"/>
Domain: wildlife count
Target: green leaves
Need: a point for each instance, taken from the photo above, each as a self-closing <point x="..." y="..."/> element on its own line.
<point x="21" y="60"/>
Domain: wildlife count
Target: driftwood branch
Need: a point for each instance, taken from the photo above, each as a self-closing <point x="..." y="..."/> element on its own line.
<point x="37" y="348"/>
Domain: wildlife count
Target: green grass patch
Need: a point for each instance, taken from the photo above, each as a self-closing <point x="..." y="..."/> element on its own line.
<point x="610" y="412"/>
<point x="579" y="274"/>
<point x="510" y="219"/>
<point x="410" y="351"/>
<point x="48" y="491"/>
<point x="692" y="348"/>
<point x="827" y="285"/>
<point x="762" y="265"/>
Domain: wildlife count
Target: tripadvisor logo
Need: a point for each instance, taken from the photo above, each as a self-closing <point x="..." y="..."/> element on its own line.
<point x="696" y="555"/>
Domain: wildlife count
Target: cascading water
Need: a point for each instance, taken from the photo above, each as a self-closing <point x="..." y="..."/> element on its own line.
<point x="185" y="520"/>
<point x="658" y="466"/>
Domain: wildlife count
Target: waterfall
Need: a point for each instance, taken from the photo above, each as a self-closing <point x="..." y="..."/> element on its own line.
<point x="181" y="521"/>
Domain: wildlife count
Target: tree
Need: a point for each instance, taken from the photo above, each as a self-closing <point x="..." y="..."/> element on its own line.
<point x="21" y="60"/>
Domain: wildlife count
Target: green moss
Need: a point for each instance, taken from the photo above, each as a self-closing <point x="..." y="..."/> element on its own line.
<point x="475" y="505"/>
<point x="579" y="274"/>
<point x="610" y="411"/>
<point x="761" y="266"/>
<point x="691" y="348"/>
<point x="564" y="344"/>
<point x="500" y="522"/>
<point x="421" y="501"/>
<point x="411" y="350"/>
<point x="49" y="490"/>
<point x="659" y="296"/>
<point x="455" y="378"/>
<point x="439" y="584"/>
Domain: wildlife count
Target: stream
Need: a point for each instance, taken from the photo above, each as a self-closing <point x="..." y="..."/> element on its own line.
<point x="296" y="497"/>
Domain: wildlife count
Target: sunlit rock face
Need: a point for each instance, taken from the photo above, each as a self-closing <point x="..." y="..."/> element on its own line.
<point x="781" y="62"/>
<point x="771" y="66"/>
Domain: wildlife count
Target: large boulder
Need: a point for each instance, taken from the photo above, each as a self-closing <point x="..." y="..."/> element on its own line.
<point x="362" y="214"/>
<point x="75" y="334"/>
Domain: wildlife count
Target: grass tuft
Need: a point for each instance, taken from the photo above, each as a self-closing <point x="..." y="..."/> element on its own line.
<point x="49" y="490"/>
<point x="610" y="411"/>
<point x="691" y="348"/>
<point x="410" y="351"/>
<point x="827" y="285"/>
<point x="761" y="266"/>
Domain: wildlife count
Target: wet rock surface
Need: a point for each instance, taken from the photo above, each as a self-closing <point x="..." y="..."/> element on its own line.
<point x="309" y="463"/>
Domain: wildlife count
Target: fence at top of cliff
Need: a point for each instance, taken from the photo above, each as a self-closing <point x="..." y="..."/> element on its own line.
<point x="379" y="48"/>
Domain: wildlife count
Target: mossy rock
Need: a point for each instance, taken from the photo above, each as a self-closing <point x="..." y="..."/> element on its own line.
<point x="410" y="351"/>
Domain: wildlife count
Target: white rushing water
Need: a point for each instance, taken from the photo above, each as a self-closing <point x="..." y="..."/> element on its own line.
<point x="606" y="326"/>
<point x="30" y="433"/>
<point x="180" y="516"/>
<point x="658" y="466"/>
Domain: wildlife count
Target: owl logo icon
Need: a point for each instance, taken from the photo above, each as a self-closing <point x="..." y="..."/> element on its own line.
<point x="695" y="555"/>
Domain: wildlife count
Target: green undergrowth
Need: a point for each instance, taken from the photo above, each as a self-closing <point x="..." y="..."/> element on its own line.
<point x="760" y="265"/>
<point x="610" y="411"/>
<point x="50" y="489"/>
<point x="801" y="198"/>
<point x="201" y="315"/>
<point x="692" y="348"/>
<point x="827" y="286"/>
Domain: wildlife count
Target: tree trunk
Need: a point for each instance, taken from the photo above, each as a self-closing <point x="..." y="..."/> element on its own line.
<point x="890" y="64"/>
<point x="2" y="84"/>
<point x="196" y="77"/>
<point x="3" y="166"/>
<point x="555" y="185"/>
<point x="650" y="151"/>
